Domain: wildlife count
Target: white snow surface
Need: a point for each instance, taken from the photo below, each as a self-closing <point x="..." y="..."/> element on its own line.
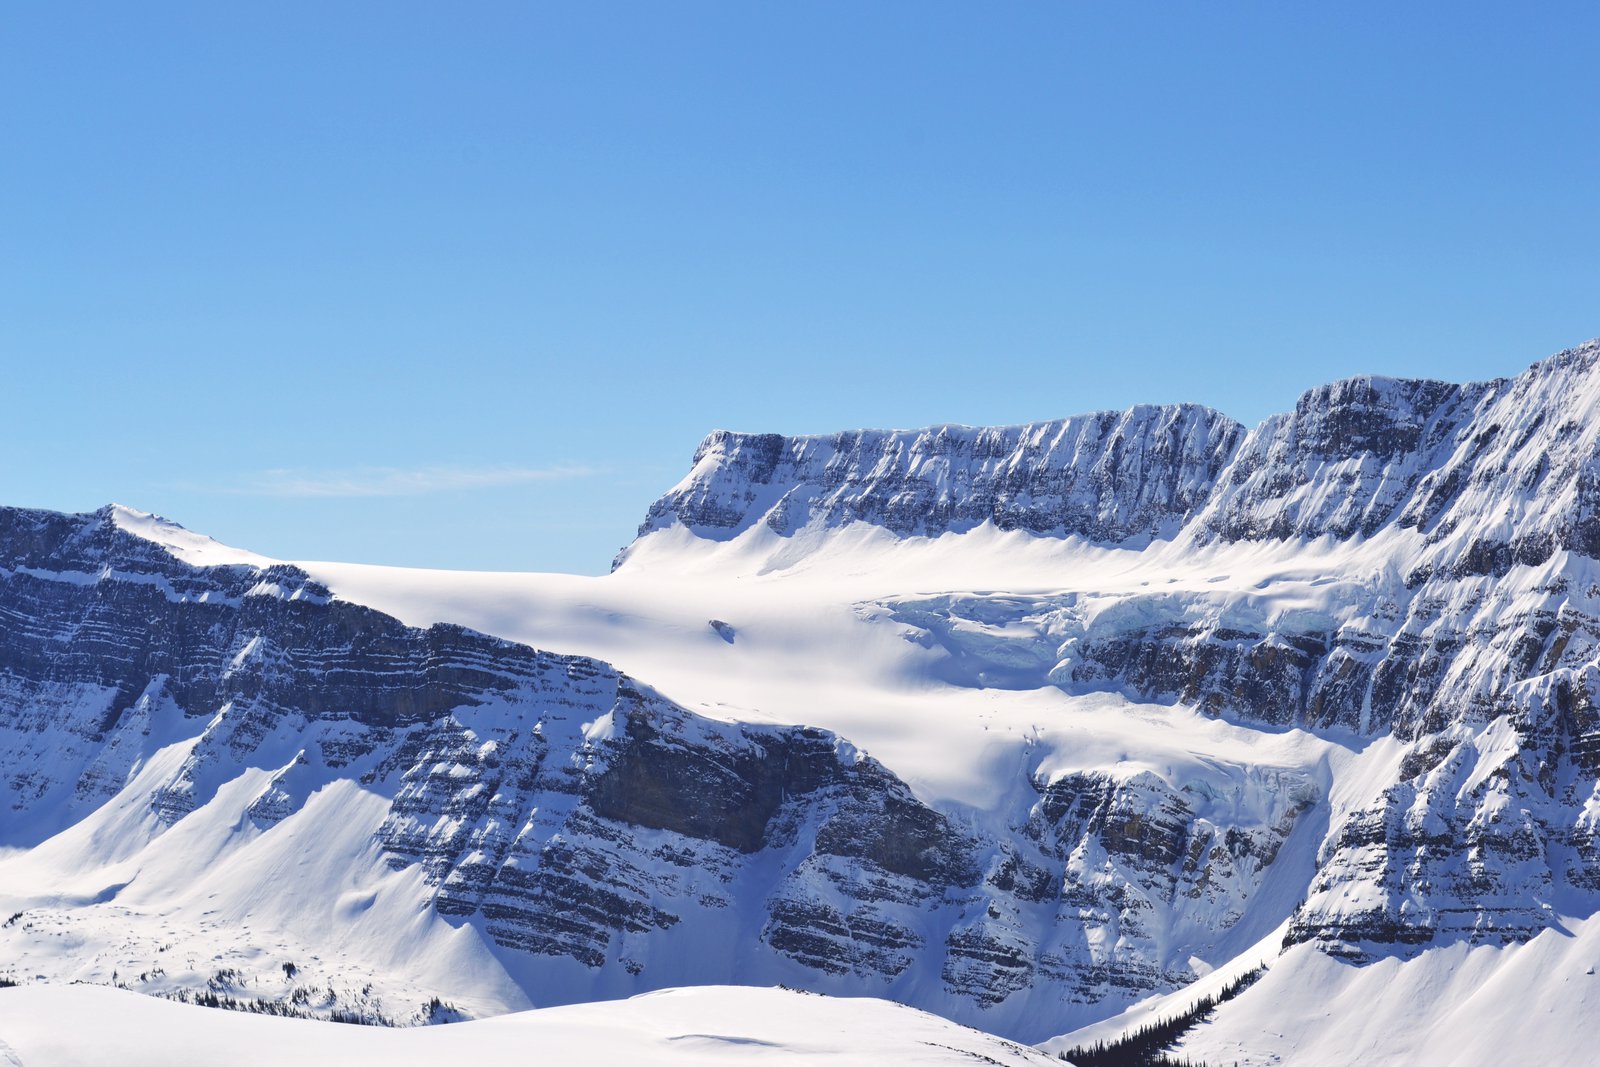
<point x="191" y="547"/>
<point x="1461" y="1005"/>
<point x="815" y="642"/>
<point x="48" y="1026"/>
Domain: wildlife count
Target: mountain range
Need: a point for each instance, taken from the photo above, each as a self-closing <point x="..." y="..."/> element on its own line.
<point x="1048" y="730"/>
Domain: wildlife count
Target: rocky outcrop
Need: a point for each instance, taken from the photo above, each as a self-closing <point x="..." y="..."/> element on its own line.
<point x="1488" y="689"/>
<point x="1112" y="476"/>
<point x="1490" y="475"/>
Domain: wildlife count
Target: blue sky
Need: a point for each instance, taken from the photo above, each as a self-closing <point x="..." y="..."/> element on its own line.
<point x="464" y="285"/>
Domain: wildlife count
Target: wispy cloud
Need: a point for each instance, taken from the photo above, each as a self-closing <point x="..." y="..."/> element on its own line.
<point x="395" y="481"/>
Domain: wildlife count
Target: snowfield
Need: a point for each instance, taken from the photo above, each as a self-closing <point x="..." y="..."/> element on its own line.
<point x="820" y="640"/>
<point x="90" y="1026"/>
<point x="1459" y="1006"/>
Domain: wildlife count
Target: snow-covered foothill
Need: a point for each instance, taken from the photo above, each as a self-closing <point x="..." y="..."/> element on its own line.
<point x="50" y="1026"/>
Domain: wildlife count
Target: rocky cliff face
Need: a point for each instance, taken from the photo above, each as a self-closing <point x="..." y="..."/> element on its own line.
<point x="1491" y="474"/>
<point x="1113" y="476"/>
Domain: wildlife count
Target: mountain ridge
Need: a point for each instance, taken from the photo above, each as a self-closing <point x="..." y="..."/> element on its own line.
<point x="960" y="476"/>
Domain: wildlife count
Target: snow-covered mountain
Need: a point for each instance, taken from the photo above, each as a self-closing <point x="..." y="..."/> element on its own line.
<point x="1112" y="477"/>
<point x="585" y="834"/>
<point x="1020" y="726"/>
<point x="1461" y="619"/>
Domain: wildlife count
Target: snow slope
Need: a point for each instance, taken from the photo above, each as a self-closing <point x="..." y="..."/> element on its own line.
<point x="818" y="642"/>
<point x="1472" y="1006"/>
<point x="44" y="1026"/>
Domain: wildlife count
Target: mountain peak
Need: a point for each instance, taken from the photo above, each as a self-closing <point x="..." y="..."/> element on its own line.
<point x="192" y="548"/>
<point x="1111" y="476"/>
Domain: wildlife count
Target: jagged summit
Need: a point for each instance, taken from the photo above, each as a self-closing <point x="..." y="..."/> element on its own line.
<point x="191" y="547"/>
<point x="135" y="539"/>
<point x="1111" y="476"/>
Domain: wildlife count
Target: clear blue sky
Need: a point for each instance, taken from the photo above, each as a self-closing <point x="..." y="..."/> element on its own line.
<point x="464" y="285"/>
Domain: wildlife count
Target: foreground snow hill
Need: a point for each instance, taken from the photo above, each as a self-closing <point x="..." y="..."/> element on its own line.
<point x="1028" y="727"/>
<point x="1462" y="1006"/>
<point x="87" y="1026"/>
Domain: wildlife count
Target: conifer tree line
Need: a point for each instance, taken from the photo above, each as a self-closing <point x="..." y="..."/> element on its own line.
<point x="207" y="998"/>
<point x="1148" y="1045"/>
